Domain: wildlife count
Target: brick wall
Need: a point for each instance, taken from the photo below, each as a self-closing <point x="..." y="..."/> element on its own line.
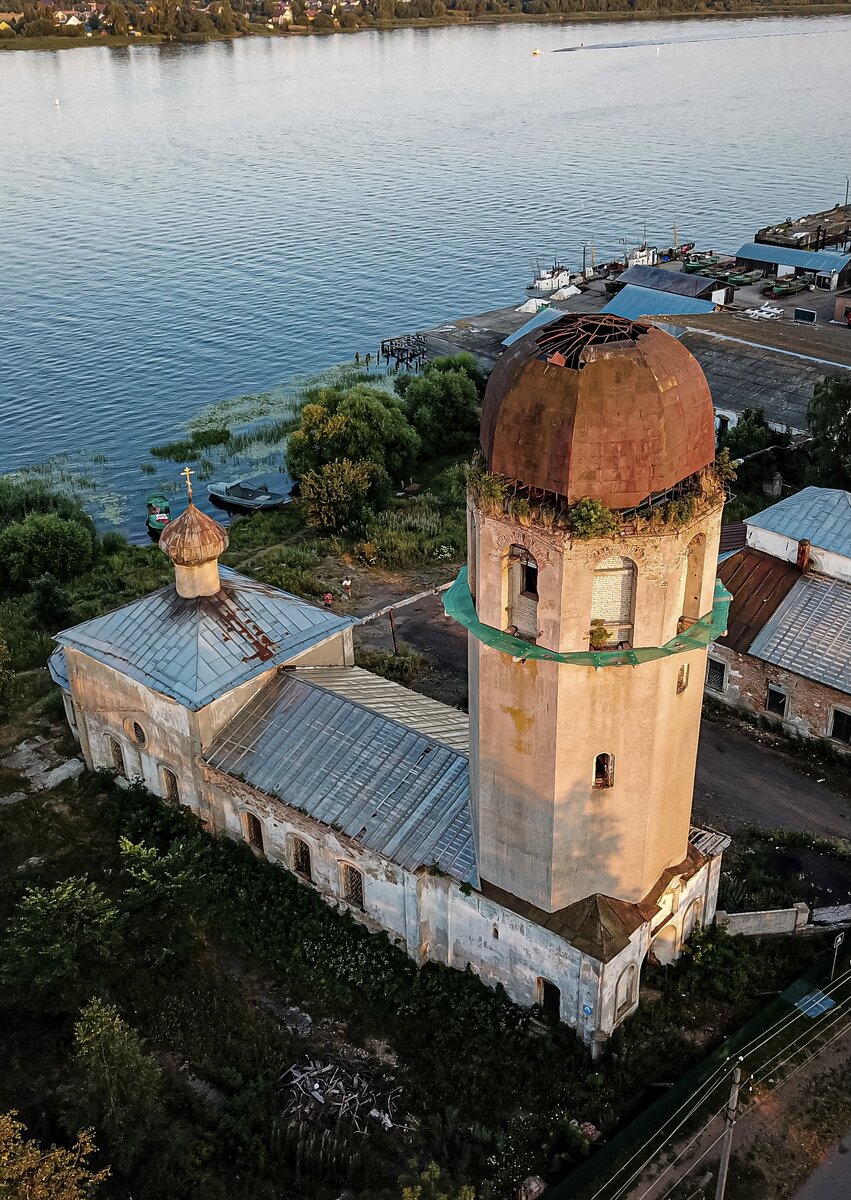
<point x="808" y="706"/>
<point x="778" y="920"/>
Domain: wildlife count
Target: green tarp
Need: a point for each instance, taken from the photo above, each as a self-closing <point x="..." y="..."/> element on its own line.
<point x="458" y="604"/>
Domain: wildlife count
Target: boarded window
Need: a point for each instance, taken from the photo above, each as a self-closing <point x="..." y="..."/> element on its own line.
<point x="116" y="755"/>
<point x="254" y="832"/>
<point x="522" y="593"/>
<point x="352" y="885"/>
<point x="604" y="771"/>
<point x="775" y="701"/>
<point x="626" y="993"/>
<point x="840" y="727"/>
<point x="171" y="792"/>
<point x="682" y="678"/>
<point x="549" y="997"/>
<point x="301" y="858"/>
<point x="716" y="675"/>
<point x="613" y="599"/>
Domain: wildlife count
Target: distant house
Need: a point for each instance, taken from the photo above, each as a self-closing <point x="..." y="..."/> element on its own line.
<point x="787" y="651"/>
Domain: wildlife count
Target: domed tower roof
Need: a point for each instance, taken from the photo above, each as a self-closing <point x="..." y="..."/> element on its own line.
<point x="193" y="538"/>
<point x="598" y="406"/>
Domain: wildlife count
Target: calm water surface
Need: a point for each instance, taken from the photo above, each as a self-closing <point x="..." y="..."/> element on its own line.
<point x="193" y="223"/>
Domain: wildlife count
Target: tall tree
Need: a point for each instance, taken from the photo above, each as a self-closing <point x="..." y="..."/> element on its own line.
<point x="829" y="418"/>
<point x="27" y="1172"/>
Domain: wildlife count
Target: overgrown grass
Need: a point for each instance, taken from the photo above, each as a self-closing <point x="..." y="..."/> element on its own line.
<point x="408" y="666"/>
<point x="776" y="868"/>
<point x="188" y="448"/>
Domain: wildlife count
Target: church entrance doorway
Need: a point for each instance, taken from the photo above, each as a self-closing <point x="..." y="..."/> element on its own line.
<point x="549" y="997"/>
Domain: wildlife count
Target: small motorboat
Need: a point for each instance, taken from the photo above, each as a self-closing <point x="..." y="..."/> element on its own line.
<point x="252" y="495"/>
<point x="157" y="515"/>
<point x="535" y="54"/>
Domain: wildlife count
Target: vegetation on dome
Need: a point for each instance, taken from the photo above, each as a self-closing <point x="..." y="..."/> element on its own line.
<point x="585" y="519"/>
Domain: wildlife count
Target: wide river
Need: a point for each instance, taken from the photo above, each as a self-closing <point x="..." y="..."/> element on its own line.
<point x="183" y="225"/>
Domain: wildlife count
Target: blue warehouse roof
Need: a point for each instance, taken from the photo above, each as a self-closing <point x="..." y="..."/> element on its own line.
<point x="635" y="302"/>
<point x="380" y="780"/>
<point x="821" y="515"/>
<point x="195" y="650"/>
<point x="810" y="633"/>
<point x="542" y="317"/>
<point x="804" y="260"/>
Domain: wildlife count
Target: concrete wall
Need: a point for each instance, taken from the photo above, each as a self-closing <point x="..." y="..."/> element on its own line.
<point x="822" y="562"/>
<point x="543" y="831"/>
<point x="809" y="705"/>
<point x="778" y="920"/>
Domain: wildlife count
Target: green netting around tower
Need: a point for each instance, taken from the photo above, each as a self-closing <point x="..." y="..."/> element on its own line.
<point x="458" y="604"/>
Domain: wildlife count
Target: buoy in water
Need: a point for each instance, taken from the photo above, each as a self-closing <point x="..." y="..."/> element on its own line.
<point x="537" y="51"/>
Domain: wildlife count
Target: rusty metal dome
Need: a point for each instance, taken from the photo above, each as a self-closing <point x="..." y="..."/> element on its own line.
<point x="193" y="538"/>
<point x="596" y="406"/>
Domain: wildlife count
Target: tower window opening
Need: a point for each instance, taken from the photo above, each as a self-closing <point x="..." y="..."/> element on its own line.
<point x="549" y="997"/>
<point x="522" y="594"/>
<point x="352" y="885"/>
<point x="604" y="771"/>
<point x="692" y="583"/>
<point x="254" y="832"/>
<point x="613" y="601"/>
<point x="171" y="791"/>
<point x="301" y="858"/>
<point x="116" y="755"/>
<point x="682" y="679"/>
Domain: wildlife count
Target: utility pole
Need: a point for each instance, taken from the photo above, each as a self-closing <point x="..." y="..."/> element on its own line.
<point x="730" y="1120"/>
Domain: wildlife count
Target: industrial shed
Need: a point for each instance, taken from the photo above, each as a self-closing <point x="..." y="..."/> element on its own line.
<point x="662" y="280"/>
<point x="636" y="302"/>
<point x="827" y="269"/>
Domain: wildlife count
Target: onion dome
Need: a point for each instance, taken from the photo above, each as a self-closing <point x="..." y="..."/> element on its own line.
<point x="193" y="538"/>
<point x="596" y="406"/>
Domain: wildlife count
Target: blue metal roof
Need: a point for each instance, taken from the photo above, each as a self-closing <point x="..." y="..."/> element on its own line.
<point x="661" y="279"/>
<point x="197" y="649"/>
<point x="805" y="260"/>
<point x="542" y="317"/>
<point x="821" y="515"/>
<point x="58" y="668"/>
<point x="810" y="633"/>
<point x="635" y="302"/>
<point x="386" y="785"/>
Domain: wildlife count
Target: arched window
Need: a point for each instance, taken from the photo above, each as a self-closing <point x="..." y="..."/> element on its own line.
<point x="253" y="832"/>
<point x="522" y="593"/>
<point x="116" y="755"/>
<point x="171" y="792"/>
<point x="626" y="991"/>
<point x="692" y="918"/>
<point x="682" y="678"/>
<point x="352" y="882"/>
<point x="695" y="556"/>
<point x="604" y="771"/>
<point x="300" y="857"/>
<point x="613" y="601"/>
<point x="136" y="733"/>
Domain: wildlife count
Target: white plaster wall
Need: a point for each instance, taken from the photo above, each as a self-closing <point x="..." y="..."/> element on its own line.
<point x="823" y="562"/>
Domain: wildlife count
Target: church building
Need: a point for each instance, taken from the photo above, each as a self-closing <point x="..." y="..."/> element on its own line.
<point x="546" y="840"/>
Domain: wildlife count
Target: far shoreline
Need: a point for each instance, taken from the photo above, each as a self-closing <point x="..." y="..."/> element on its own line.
<point x="454" y="20"/>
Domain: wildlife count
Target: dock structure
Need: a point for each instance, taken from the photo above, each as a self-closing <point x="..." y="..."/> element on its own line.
<point x="409" y="350"/>
<point x="812" y="232"/>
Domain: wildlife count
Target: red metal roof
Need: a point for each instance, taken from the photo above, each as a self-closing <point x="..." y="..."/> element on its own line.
<point x="758" y="583"/>
<point x="594" y="405"/>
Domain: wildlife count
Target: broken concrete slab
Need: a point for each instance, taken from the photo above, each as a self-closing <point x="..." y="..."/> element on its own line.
<point x="13" y="798"/>
<point x="65" y="771"/>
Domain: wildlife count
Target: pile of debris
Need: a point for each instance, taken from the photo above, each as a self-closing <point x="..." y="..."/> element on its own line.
<point x="313" y="1090"/>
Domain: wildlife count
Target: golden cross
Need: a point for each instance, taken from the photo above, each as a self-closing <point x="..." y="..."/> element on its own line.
<point x="187" y="472"/>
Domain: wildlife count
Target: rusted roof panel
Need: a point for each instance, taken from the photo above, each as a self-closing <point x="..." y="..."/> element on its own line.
<point x="598" y="407"/>
<point x="194" y="650"/>
<point x="759" y="584"/>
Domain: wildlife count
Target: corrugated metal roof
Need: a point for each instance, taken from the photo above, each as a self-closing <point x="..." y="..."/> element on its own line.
<point x="58" y="668"/>
<point x="438" y="721"/>
<point x="733" y="537"/>
<point x="820" y="515"/>
<point x="635" y="302"/>
<point x="542" y="317"/>
<point x="810" y="634"/>
<point x="380" y="782"/>
<point x="708" y="841"/>
<point x="195" y="650"/>
<point x="661" y="280"/>
<point x="805" y="260"/>
<point x="759" y="584"/>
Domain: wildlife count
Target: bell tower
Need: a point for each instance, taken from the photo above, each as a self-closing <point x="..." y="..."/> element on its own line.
<point x="594" y="521"/>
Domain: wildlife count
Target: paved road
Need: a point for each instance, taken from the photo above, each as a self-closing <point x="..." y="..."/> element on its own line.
<point x="832" y="1180"/>
<point x="739" y="782"/>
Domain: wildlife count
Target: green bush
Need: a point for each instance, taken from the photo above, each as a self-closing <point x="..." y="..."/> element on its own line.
<point x="45" y="543"/>
<point x="442" y="405"/>
<point x="405" y="667"/>
<point x="337" y="497"/>
<point x="591" y="519"/>
<point x="362" y="424"/>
